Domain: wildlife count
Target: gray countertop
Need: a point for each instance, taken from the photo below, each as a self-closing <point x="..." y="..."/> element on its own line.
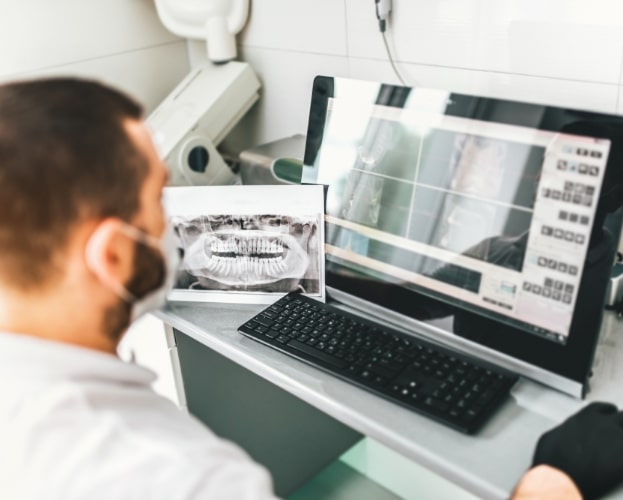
<point x="488" y="464"/>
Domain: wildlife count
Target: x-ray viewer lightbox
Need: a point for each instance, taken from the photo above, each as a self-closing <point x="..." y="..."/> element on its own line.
<point x="486" y="223"/>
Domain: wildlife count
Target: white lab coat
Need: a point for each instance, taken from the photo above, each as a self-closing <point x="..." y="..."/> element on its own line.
<point x="80" y="424"/>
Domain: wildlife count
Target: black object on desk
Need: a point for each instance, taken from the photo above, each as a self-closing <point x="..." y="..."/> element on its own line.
<point x="453" y="389"/>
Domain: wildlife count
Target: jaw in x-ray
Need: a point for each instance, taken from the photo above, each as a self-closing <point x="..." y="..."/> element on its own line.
<point x="247" y="252"/>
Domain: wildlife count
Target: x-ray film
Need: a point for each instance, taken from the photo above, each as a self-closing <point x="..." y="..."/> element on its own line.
<point x="247" y="244"/>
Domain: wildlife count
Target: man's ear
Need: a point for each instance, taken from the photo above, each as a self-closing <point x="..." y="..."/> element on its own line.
<point x="108" y="255"/>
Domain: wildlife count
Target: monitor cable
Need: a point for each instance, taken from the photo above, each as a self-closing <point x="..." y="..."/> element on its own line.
<point x="383" y="9"/>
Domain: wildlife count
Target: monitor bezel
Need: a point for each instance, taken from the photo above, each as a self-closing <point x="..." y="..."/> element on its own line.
<point x="571" y="361"/>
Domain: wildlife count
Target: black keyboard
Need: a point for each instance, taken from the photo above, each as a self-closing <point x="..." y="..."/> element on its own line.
<point x="451" y="388"/>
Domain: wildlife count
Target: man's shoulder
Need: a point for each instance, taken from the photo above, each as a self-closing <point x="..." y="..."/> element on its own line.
<point x="127" y="436"/>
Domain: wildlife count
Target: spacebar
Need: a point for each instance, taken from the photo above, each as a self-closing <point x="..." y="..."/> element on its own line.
<point x="314" y="353"/>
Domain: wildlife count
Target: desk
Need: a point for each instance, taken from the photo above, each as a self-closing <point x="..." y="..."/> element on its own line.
<point x="487" y="465"/>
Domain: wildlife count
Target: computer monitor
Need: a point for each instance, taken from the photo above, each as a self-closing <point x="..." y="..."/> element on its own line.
<point x="488" y="224"/>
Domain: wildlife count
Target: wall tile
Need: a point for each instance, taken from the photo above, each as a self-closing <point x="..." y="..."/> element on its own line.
<point x="35" y="34"/>
<point x="284" y="102"/>
<point x="582" y="52"/>
<point x="139" y="73"/>
<point x="561" y="39"/>
<point x="317" y="26"/>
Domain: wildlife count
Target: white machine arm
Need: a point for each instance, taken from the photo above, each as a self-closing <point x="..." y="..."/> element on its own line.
<point x="196" y="116"/>
<point x="204" y="107"/>
<point x="216" y="21"/>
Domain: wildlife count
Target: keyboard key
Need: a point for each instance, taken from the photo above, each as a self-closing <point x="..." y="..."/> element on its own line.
<point x="382" y="371"/>
<point x="264" y="321"/>
<point x="271" y="334"/>
<point x="299" y="346"/>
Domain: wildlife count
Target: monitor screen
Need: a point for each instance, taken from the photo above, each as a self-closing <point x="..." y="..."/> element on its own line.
<point x="495" y="220"/>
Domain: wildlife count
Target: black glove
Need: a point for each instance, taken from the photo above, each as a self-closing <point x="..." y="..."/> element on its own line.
<point x="588" y="447"/>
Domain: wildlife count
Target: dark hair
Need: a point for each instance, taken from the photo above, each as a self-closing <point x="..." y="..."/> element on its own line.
<point x="65" y="157"/>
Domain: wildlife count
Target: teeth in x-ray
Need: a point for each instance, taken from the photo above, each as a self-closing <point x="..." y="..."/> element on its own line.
<point x="255" y="245"/>
<point x="246" y="257"/>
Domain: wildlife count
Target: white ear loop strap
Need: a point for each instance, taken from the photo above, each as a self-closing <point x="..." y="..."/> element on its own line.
<point x="122" y="292"/>
<point x="139" y="235"/>
<point x="92" y="250"/>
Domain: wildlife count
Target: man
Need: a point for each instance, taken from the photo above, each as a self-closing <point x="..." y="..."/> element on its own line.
<point x="81" y="227"/>
<point x="82" y="252"/>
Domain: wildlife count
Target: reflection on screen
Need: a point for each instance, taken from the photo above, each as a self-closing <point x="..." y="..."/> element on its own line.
<point x="495" y="218"/>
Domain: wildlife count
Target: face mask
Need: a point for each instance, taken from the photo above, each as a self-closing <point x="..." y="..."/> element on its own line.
<point x="168" y="249"/>
<point x="155" y="298"/>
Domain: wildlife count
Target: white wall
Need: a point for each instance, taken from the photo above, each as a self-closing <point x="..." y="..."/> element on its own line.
<point x="121" y="42"/>
<point x="564" y="52"/>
